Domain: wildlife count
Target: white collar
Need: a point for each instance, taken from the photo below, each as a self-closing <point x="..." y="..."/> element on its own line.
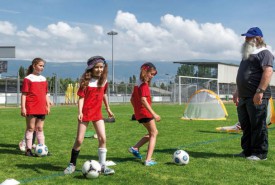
<point x="258" y="50"/>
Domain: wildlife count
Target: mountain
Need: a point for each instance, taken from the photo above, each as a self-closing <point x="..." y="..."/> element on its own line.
<point x="123" y="70"/>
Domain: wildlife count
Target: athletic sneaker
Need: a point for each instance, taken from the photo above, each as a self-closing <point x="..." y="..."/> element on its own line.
<point x="29" y="153"/>
<point x="150" y="163"/>
<point x="70" y="169"/>
<point x="33" y="146"/>
<point x="107" y="171"/>
<point x="135" y="152"/>
<point x="22" y="145"/>
<point x="256" y="158"/>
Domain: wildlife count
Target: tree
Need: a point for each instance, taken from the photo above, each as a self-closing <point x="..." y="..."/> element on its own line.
<point x="162" y="86"/>
<point x="22" y="72"/>
<point x="185" y="70"/>
<point x="134" y="79"/>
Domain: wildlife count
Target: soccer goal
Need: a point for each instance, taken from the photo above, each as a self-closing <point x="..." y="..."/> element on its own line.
<point x="190" y="84"/>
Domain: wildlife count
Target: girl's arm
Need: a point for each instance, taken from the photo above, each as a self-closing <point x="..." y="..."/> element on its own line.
<point x="149" y="108"/>
<point x="23" y="105"/>
<point x="80" y="106"/>
<point x="105" y="100"/>
<point x="48" y="103"/>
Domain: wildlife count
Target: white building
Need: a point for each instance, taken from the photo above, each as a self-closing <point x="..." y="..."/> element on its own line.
<point x="224" y="74"/>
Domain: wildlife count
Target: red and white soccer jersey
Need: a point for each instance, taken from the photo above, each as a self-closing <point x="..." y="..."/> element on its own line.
<point x="36" y="89"/>
<point x="93" y="97"/>
<point x="141" y="90"/>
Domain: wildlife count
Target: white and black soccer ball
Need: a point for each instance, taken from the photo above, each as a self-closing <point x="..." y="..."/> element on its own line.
<point x="91" y="169"/>
<point x="41" y="150"/>
<point x="181" y="157"/>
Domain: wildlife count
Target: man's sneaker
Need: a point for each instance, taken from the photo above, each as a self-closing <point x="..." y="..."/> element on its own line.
<point x="256" y="158"/>
<point x="135" y="152"/>
<point x="70" y="169"/>
<point x="150" y="163"/>
<point x="29" y="153"/>
<point x="107" y="171"/>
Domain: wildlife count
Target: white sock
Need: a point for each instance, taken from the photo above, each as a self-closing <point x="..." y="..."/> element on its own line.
<point x="102" y="156"/>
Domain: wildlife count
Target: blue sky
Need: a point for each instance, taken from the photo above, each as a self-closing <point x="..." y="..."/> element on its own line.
<point x="155" y="30"/>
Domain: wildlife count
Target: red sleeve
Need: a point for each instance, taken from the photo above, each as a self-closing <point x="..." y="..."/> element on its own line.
<point x="25" y="86"/>
<point x="80" y="92"/>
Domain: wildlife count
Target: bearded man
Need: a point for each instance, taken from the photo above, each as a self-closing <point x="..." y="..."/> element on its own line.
<point x="252" y="94"/>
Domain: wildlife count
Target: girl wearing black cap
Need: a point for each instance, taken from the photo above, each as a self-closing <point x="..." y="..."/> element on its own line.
<point x="92" y="91"/>
<point x="141" y="101"/>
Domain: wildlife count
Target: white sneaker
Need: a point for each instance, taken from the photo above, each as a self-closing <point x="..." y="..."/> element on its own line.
<point x="33" y="146"/>
<point x="107" y="171"/>
<point x="22" y="145"/>
<point x="255" y="158"/>
<point x="70" y="169"/>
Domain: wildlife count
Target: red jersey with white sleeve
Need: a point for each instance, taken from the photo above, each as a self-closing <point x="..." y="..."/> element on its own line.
<point x="141" y="90"/>
<point x="93" y="97"/>
<point x="36" y="89"/>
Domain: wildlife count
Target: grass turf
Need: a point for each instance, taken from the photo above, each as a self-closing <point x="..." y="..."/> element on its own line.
<point x="211" y="160"/>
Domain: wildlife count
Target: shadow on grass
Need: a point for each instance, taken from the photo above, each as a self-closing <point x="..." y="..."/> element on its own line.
<point x="215" y="132"/>
<point x="5" y="145"/>
<point x="196" y="154"/>
<point x="40" y="166"/>
<point x="9" y="149"/>
<point x="168" y="150"/>
<point x="208" y="155"/>
<point x="115" y="159"/>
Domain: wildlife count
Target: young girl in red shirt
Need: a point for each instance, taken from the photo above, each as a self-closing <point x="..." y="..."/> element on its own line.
<point x="92" y="91"/>
<point x="35" y="103"/>
<point x="144" y="114"/>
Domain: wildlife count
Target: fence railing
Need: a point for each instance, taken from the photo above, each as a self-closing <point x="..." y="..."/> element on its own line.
<point x="10" y="93"/>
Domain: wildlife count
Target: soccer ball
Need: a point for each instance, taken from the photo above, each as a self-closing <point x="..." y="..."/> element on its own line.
<point x="91" y="169"/>
<point x="181" y="157"/>
<point x="41" y="150"/>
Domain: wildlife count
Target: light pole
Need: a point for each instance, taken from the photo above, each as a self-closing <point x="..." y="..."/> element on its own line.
<point x="168" y="81"/>
<point x="112" y="33"/>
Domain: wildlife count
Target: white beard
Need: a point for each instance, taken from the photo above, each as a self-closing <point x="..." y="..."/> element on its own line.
<point x="248" y="48"/>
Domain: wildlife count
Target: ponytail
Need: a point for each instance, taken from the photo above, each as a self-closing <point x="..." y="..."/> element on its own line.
<point x="34" y="62"/>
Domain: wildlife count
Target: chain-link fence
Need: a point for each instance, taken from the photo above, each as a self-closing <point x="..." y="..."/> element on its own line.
<point x="10" y="94"/>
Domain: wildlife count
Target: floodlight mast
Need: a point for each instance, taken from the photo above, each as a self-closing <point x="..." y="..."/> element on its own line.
<point x="112" y="33"/>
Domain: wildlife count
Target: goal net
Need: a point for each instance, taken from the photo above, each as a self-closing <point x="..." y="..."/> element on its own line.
<point x="190" y="84"/>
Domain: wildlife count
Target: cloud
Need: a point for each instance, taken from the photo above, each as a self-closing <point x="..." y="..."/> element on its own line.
<point x="7" y="28"/>
<point x="64" y="30"/>
<point x="177" y="39"/>
<point x="173" y="39"/>
<point x="33" y="32"/>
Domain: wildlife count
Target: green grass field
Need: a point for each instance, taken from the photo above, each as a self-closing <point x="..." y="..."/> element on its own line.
<point x="211" y="160"/>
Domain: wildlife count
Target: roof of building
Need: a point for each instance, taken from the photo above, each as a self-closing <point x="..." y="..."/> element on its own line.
<point x="203" y="62"/>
